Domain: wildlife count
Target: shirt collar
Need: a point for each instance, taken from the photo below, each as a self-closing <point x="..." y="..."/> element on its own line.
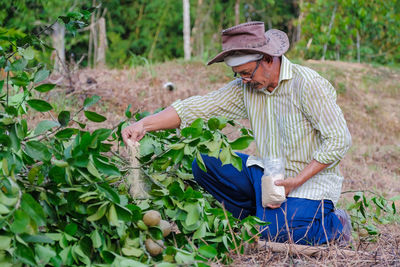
<point x="286" y="70"/>
<point x="285" y="73"/>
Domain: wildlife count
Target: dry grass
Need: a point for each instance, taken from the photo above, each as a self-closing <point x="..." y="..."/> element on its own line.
<point x="369" y="97"/>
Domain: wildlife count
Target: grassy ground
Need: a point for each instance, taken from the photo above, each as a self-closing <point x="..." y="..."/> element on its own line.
<point x="369" y="97"/>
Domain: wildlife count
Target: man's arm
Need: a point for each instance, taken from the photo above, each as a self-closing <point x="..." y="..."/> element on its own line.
<point x="309" y="171"/>
<point x="166" y="119"/>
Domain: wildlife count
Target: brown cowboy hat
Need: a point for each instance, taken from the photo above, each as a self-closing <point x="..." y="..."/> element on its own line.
<point x="251" y="38"/>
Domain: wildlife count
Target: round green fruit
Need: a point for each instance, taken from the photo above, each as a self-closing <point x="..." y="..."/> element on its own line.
<point x="165" y="227"/>
<point x="152" y="218"/>
<point x="363" y="233"/>
<point x="154" y="247"/>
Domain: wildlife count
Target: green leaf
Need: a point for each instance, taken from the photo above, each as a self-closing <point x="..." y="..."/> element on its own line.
<point x="41" y="75"/>
<point x="102" y="134"/>
<point x="186" y="258"/>
<point x="99" y="213"/>
<point x="93" y="116"/>
<point x="236" y="161"/>
<point x="241" y="143"/>
<point x="92" y="169"/>
<point x="372" y="230"/>
<point x="5" y="242"/>
<point x="193" y="211"/>
<point x="21" y="79"/>
<point x="44" y="126"/>
<point x="208" y="251"/>
<point x="96" y="239"/>
<point x="357" y="196"/>
<point x="25" y="254"/>
<point x="147" y="146"/>
<point x="65" y="133"/>
<point x="200" y="162"/>
<point x="44" y="253"/>
<point x="37" y="239"/>
<point x="33" y="174"/>
<point x="105" y="167"/>
<point x="20" y="223"/>
<point x="128" y="114"/>
<point x="19" y="65"/>
<point x="201" y="231"/>
<point x="43" y="88"/>
<point x="27" y="53"/>
<point x="64" y="118"/>
<point x="175" y="190"/>
<point x="217" y="123"/>
<point x="198" y="124"/>
<point x="1" y="85"/>
<point x="110" y="192"/>
<point x="33" y="209"/>
<point x="39" y="105"/>
<point x="112" y="216"/>
<point x="124" y="214"/>
<point x="213" y="124"/>
<point x="176" y="146"/>
<point x="90" y="101"/>
<point x="225" y="156"/>
<point x="132" y="251"/>
<point x="71" y="229"/>
<point x="37" y="151"/>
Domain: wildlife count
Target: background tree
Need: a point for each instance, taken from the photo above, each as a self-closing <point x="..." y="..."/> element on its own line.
<point x="186" y="29"/>
<point x="138" y="31"/>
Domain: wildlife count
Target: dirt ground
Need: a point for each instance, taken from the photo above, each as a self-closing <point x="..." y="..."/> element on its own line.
<point x="369" y="97"/>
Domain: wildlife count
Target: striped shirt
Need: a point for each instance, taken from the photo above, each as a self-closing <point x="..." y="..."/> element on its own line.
<point x="299" y="119"/>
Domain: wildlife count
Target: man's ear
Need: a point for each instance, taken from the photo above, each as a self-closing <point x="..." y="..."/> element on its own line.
<point x="268" y="59"/>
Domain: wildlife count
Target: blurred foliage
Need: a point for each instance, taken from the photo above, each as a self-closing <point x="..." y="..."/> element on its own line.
<point x="377" y="24"/>
<point x="153" y="29"/>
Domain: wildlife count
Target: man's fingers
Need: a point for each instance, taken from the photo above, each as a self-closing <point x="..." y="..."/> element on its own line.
<point x="128" y="134"/>
<point x="273" y="206"/>
<point x="280" y="182"/>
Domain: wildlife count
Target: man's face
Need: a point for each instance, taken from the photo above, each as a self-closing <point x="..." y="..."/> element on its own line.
<point x="256" y="73"/>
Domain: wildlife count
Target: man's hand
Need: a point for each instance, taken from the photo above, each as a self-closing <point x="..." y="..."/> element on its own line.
<point x="134" y="132"/>
<point x="166" y="119"/>
<point x="271" y="206"/>
<point x="289" y="184"/>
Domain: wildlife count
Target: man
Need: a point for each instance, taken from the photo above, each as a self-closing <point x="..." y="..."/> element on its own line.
<point x="293" y="112"/>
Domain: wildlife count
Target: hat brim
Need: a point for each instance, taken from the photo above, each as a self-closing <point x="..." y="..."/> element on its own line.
<point x="220" y="57"/>
<point x="277" y="46"/>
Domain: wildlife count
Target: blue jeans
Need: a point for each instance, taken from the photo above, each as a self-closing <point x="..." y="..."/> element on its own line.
<point x="300" y="220"/>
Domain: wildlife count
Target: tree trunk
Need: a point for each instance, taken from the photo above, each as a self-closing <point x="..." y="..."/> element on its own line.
<point x="160" y="24"/>
<point x="197" y="30"/>
<point x="186" y="29"/>
<point x="237" y="12"/>
<point x="298" y="29"/>
<point x="329" y="30"/>
<point x="91" y="36"/>
<point x="269" y="22"/>
<point x="58" y="37"/>
<point x="358" y="47"/>
<point x="102" y="47"/>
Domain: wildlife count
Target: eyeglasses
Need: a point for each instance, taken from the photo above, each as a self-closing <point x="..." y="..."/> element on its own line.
<point x="248" y="79"/>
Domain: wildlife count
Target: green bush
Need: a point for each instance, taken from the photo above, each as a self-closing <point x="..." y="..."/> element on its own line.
<point x="63" y="195"/>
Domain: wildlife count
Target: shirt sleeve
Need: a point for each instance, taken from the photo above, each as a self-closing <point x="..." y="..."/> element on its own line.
<point x="227" y="102"/>
<point x="319" y="105"/>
